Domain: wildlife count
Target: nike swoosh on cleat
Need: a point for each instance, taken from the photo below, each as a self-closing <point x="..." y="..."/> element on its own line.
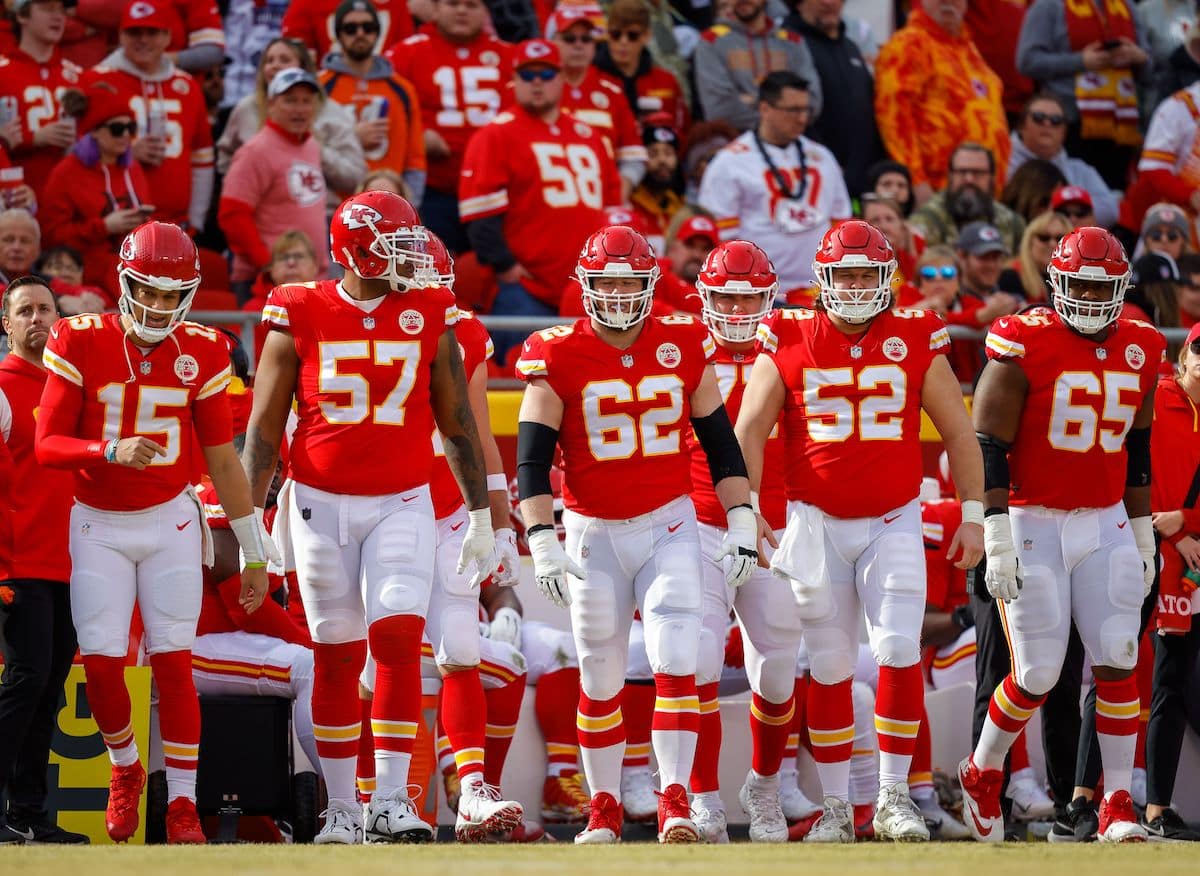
<point x="978" y="825"/>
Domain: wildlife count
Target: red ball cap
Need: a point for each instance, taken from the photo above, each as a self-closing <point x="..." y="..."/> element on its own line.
<point x="541" y="52"/>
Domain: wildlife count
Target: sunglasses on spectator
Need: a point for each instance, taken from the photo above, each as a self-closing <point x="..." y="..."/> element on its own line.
<point x="1075" y="212"/>
<point x="354" y="28"/>
<point x="572" y="38"/>
<point x="932" y="272"/>
<point x="1048" y="238"/>
<point x="540" y="74"/>
<point x="632" y="34"/>
<point x="1048" y="119"/>
<point x="120" y="129"/>
<point x="1170" y="235"/>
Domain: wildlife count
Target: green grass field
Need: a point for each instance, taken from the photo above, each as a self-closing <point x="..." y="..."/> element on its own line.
<point x="560" y="859"/>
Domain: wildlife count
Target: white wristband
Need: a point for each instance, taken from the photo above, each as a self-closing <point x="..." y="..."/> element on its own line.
<point x="972" y="511"/>
<point x="754" y="502"/>
<point x="481" y="518"/>
<point x="249" y="536"/>
<point x="497" y="483"/>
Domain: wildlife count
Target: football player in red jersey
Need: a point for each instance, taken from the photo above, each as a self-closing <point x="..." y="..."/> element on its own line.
<point x="737" y="285"/>
<point x="125" y="392"/>
<point x="458" y="69"/>
<point x="851" y="379"/>
<point x="1063" y="410"/>
<point x="372" y="369"/>
<point x="615" y="392"/>
<point x="453" y="627"/>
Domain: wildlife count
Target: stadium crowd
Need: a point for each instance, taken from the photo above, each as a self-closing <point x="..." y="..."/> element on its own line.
<point x="668" y="172"/>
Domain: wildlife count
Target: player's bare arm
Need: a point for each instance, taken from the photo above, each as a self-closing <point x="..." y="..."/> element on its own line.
<point x="942" y="400"/>
<point x="455" y="419"/>
<point x="274" y="387"/>
<point x="999" y="399"/>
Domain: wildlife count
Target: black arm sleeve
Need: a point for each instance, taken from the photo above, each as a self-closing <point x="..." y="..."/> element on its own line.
<point x="535" y="454"/>
<point x="995" y="462"/>
<point x="1137" y="469"/>
<point x="720" y="445"/>
<point x="487" y="239"/>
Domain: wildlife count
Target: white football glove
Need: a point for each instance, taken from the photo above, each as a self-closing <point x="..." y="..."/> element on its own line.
<point x="551" y="565"/>
<point x="274" y="557"/>
<point x="740" y="545"/>
<point x="506" y="627"/>
<point x="509" y="572"/>
<point x="1143" y="534"/>
<point x="479" y="547"/>
<point x="1003" y="575"/>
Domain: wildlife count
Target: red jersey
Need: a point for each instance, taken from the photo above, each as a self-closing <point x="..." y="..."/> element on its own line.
<point x="659" y="92"/>
<point x="475" y="346"/>
<point x="1082" y="399"/>
<point x="458" y="86"/>
<point x="37" y="88"/>
<point x="947" y="586"/>
<point x="175" y="104"/>
<point x="311" y="22"/>
<point x="163" y="394"/>
<point x="852" y="412"/>
<point x="550" y="181"/>
<point x="625" y="412"/>
<point x="600" y="101"/>
<point x="40" y="496"/>
<point x="733" y="370"/>
<point x="362" y="392"/>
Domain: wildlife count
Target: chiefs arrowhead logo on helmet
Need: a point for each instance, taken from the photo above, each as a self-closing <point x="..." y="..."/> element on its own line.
<point x="360" y="216"/>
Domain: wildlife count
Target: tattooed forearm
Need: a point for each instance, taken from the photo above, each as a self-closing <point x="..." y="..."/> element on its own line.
<point x="259" y="459"/>
<point x="456" y="422"/>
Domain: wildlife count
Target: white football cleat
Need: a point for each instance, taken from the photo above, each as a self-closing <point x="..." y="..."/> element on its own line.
<point x="394" y="819"/>
<point x="637" y="795"/>
<point x="942" y="824"/>
<point x="981" y="801"/>
<point x="1029" y="799"/>
<point x="836" y="824"/>
<point x="343" y="825"/>
<point x="897" y="818"/>
<point x="759" y="797"/>
<point x="482" y="813"/>
<point x="795" y="803"/>
<point x="708" y="814"/>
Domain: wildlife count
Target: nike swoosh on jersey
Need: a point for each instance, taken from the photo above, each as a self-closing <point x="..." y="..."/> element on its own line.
<point x="455" y="527"/>
<point x="182" y="526"/>
<point x="1121" y="525"/>
<point x="676" y="526"/>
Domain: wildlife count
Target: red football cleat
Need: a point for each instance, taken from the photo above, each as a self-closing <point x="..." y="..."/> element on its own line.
<point x="605" y="819"/>
<point x="864" y="821"/>
<point x="798" y="831"/>
<point x="675" y="823"/>
<point x="1118" y="823"/>
<point x="981" y="801"/>
<point x="183" y="823"/>
<point x="124" y="794"/>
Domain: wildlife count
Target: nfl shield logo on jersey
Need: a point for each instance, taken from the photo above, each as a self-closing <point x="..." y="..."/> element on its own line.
<point x="627" y="361"/>
<point x="668" y="355"/>
<point x="144" y="367"/>
<point x="411" y="322"/>
<point x="368" y="322"/>
<point x="187" y="368"/>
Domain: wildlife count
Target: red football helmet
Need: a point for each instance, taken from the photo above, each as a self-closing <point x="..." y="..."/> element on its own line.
<point x="162" y="256"/>
<point x="377" y="235"/>
<point x="736" y="267"/>
<point x="443" y="262"/>
<point x="1088" y="254"/>
<point x="625" y="216"/>
<point x="855" y="244"/>
<point x="617" y="252"/>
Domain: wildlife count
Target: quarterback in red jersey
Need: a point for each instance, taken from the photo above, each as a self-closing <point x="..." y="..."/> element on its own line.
<point x="1063" y="411"/>
<point x="615" y="392"/>
<point x="125" y="392"/>
<point x="533" y="186"/>
<point x="372" y="368"/>
<point x="851" y="379"/>
<point x="737" y="285"/>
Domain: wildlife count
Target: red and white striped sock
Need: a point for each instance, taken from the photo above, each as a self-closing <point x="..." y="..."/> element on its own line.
<point x="503" y="712"/>
<point x="1008" y="713"/>
<point x="675" y="727"/>
<point x="179" y="721"/>
<point x="637" y="711"/>
<point x="336" y="711"/>
<point x="708" y="741"/>
<point x="831" y="731"/>
<point x="1117" y="712"/>
<point x="396" y="707"/>
<point x="108" y="698"/>
<point x="899" y="705"/>
<point x="464" y="718"/>
<point x="601" y="743"/>
<point x="770" y="726"/>
<point x="553" y="697"/>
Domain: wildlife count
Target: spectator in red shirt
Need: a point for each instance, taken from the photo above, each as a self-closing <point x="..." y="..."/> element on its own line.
<point x="37" y="637"/>
<point x="98" y="193"/>
<point x="275" y="183"/>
